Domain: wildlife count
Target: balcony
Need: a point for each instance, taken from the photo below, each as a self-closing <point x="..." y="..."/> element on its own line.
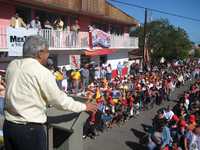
<point x="68" y="40"/>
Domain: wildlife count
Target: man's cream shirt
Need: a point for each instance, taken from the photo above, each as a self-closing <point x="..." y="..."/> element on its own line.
<point x="30" y="88"/>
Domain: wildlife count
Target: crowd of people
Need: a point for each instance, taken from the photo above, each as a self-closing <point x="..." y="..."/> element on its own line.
<point x="57" y="24"/>
<point x="76" y="81"/>
<point x="123" y="97"/>
<point x="56" y="30"/>
<point x="178" y="128"/>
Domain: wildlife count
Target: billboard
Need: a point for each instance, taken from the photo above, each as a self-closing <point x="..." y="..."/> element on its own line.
<point x="16" y="38"/>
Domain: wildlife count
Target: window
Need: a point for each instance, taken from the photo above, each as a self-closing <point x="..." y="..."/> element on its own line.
<point x="116" y="29"/>
<point x="101" y="26"/>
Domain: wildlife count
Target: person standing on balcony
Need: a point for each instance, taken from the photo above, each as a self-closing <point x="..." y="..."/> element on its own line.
<point x="30" y="88"/>
<point x="58" y="26"/>
<point x="17" y="22"/>
<point x="35" y="23"/>
<point x="75" y="31"/>
<point x="47" y="25"/>
<point x="48" y="28"/>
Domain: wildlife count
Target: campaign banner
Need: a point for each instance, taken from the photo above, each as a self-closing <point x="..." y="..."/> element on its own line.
<point x="16" y="38"/>
<point x="100" y="38"/>
<point x="75" y="61"/>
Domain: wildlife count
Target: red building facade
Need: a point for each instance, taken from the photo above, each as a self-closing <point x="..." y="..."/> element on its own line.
<point x="88" y="12"/>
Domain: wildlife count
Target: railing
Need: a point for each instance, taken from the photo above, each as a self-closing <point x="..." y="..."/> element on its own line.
<point x="65" y="39"/>
<point x="71" y="40"/>
<point x="118" y="41"/>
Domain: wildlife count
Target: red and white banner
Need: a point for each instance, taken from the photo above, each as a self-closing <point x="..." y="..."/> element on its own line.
<point x="100" y="38"/>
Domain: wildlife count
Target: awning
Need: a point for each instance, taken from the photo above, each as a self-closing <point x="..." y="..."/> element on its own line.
<point x="97" y="52"/>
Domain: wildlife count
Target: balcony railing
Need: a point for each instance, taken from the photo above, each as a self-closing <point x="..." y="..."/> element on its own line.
<point x="70" y="40"/>
<point x="65" y="39"/>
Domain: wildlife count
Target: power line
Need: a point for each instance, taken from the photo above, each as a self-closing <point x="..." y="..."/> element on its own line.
<point x="156" y="10"/>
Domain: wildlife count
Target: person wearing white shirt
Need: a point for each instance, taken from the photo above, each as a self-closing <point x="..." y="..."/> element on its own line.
<point x="168" y="114"/>
<point x="30" y="88"/>
<point x="35" y="23"/>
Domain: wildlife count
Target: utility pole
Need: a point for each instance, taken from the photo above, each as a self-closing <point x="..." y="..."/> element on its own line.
<point x="144" y="39"/>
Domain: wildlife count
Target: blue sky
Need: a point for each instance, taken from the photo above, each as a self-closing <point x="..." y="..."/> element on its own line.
<point x="189" y="8"/>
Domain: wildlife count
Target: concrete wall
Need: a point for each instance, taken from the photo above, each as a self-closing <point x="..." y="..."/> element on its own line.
<point x="84" y="22"/>
<point x="96" y="59"/>
<point x="6" y="12"/>
<point x="114" y="58"/>
<point x="62" y="59"/>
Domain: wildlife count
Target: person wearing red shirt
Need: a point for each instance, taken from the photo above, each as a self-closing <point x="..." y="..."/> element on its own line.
<point x="130" y="101"/>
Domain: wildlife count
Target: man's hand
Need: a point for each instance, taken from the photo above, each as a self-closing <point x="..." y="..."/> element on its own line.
<point x="91" y="107"/>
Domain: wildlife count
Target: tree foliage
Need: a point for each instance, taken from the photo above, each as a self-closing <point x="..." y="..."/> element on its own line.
<point x="197" y="53"/>
<point x="164" y="40"/>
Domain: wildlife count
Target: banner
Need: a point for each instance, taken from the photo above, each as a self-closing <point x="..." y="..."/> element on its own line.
<point x="74" y="61"/>
<point x="100" y="38"/>
<point x="16" y="38"/>
<point x="99" y="52"/>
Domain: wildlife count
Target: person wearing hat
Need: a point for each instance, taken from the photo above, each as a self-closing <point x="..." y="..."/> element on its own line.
<point x="75" y="31"/>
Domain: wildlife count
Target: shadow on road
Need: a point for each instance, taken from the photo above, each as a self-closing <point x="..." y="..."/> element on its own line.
<point x="143" y="140"/>
<point x="147" y="128"/>
<point x="135" y="146"/>
<point x="140" y="135"/>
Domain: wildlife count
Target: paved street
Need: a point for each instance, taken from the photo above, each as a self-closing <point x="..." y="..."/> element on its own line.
<point x="128" y="137"/>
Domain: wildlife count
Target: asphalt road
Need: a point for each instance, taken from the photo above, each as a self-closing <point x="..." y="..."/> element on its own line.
<point x="130" y="135"/>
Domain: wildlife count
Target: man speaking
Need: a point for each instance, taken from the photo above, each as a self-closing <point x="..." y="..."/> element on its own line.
<point x="30" y="88"/>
